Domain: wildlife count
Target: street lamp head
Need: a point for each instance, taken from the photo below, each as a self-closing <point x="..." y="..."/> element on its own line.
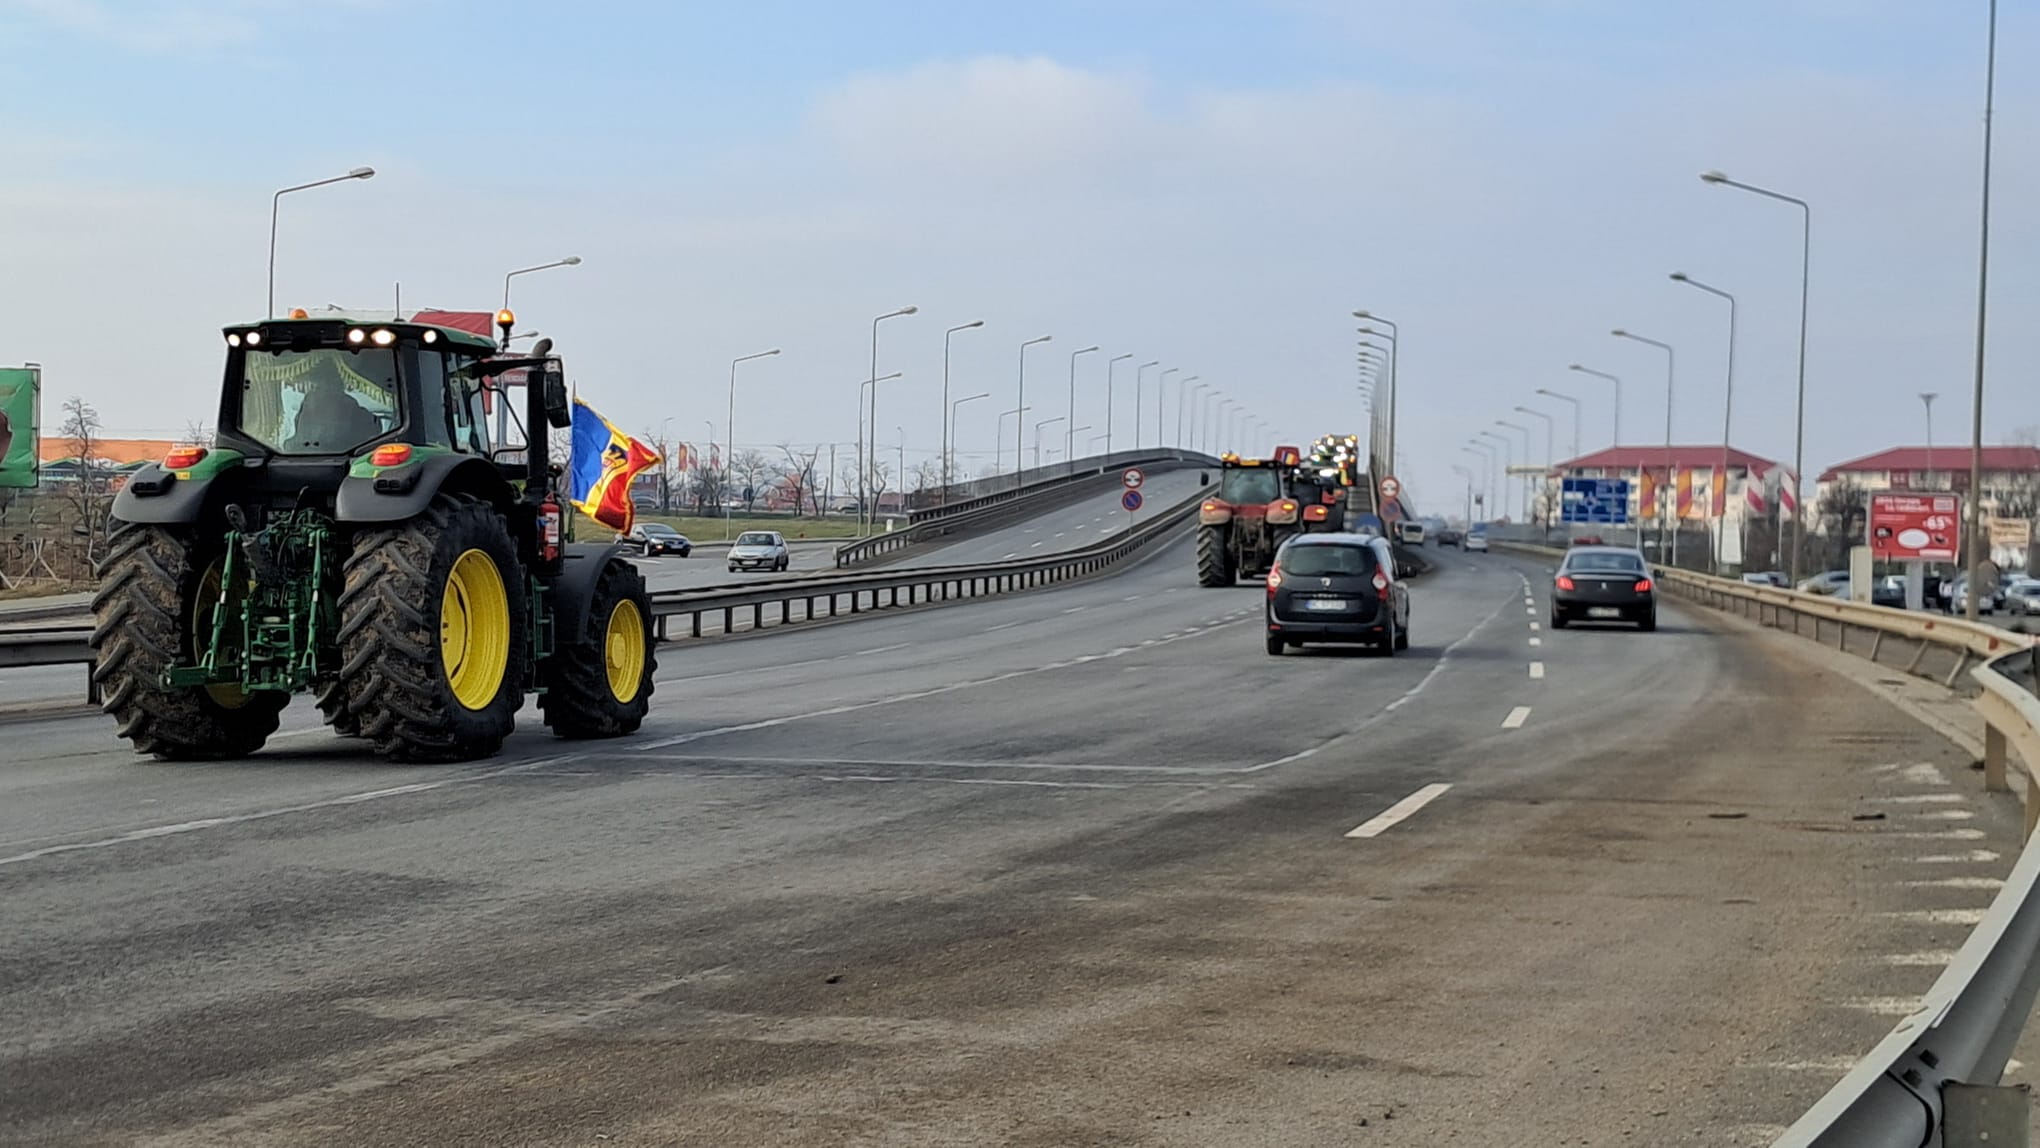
<point x="362" y="173"/>
<point x="1363" y="314"/>
<point x="1712" y="177"/>
<point x="909" y="310"/>
<point x="1678" y="277"/>
<point x="1042" y="339"/>
<point x="773" y="351"/>
<point x="1619" y="333"/>
<point x="1574" y="367"/>
<point x="571" y="261"/>
<point x="1150" y="363"/>
<point x="1086" y="350"/>
<point x="971" y="324"/>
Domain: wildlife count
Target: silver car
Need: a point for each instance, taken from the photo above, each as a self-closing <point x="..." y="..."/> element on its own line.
<point x="758" y="550"/>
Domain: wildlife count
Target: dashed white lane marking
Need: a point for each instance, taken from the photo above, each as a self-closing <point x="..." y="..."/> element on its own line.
<point x="1009" y="557"/>
<point x="1935" y="916"/>
<point x="880" y="650"/>
<point x="1033" y="545"/>
<point x="1535" y="626"/>
<point x="1395" y="814"/>
<point x="1537" y="641"/>
<point x="1001" y="626"/>
<point x="1991" y="883"/>
<point x="1059" y="533"/>
<point x="1516" y="718"/>
<point x="1943" y="835"/>
<point x="1943" y="814"/>
<point x="1537" y="669"/>
<point x="1923" y="799"/>
<point x="1532" y="612"/>
<point x="1131" y="598"/>
<point x="1929" y="960"/>
<point x="1837" y="1064"/>
<point x="1973" y="857"/>
<point x="1883" y="1006"/>
<point x="1076" y="609"/>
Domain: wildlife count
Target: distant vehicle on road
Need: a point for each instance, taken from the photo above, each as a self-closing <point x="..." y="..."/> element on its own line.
<point x="1888" y="591"/>
<point x="1767" y="578"/>
<point x="759" y="550"/>
<point x="1828" y="582"/>
<point x="655" y="538"/>
<point x="2023" y="596"/>
<point x="1337" y="588"/>
<point x="1603" y="583"/>
<point x="1448" y="536"/>
<point x="1958" y="599"/>
<point x="1476" y="541"/>
<point x="1410" y="533"/>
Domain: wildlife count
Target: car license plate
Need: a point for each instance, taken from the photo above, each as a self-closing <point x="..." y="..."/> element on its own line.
<point x="1603" y="612"/>
<point x="1324" y="604"/>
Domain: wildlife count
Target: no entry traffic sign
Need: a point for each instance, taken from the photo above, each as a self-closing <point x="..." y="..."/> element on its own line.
<point x="1132" y="479"/>
<point x="1130" y="500"/>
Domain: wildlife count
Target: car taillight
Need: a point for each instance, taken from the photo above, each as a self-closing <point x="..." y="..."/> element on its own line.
<point x="1564" y="583"/>
<point x="1381" y="585"/>
<point x="1274" y="581"/>
<point x="1643" y="585"/>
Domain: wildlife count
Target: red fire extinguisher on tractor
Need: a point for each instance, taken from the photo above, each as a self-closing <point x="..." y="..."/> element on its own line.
<point x="549" y="527"/>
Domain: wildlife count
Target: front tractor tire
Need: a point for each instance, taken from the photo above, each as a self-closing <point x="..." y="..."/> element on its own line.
<point x="149" y="615"/>
<point x="599" y="681"/>
<point x="435" y="634"/>
<point x="1214" y="557"/>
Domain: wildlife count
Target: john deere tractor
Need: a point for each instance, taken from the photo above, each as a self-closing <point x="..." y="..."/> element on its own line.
<point x="1243" y="523"/>
<point x="354" y="534"/>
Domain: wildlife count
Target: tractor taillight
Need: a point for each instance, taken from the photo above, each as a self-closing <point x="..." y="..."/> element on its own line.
<point x="390" y="454"/>
<point x="184" y="457"/>
<point x="1317" y="513"/>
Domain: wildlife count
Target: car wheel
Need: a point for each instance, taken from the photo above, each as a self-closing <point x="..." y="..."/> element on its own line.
<point x="1390" y="642"/>
<point x="1275" y="646"/>
<point x="782" y="565"/>
<point x="733" y="569"/>
<point x="1557" y="618"/>
<point x="1648" y="622"/>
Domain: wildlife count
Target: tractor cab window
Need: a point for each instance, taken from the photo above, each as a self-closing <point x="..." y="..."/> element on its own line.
<point x="435" y="421"/>
<point x="1248" y="485"/>
<point x="470" y="414"/>
<point x="325" y="401"/>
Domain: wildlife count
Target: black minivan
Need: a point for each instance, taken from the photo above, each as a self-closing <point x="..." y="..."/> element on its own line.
<point x="1337" y="588"/>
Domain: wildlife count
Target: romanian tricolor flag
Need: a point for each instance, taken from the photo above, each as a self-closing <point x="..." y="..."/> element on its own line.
<point x="604" y="462"/>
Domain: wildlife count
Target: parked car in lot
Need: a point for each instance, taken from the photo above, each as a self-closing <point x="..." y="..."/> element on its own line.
<point x="1888" y="591"/>
<point x="1476" y="540"/>
<point x="1603" y="583"/>
<point x="1958" y="599"/>
<point x="1337" y="588"/>
<point x="1829" y="582"/>
<point x="655" y="538"/>
<point x="2023" y="596"/>
<point x="759" y="550"/>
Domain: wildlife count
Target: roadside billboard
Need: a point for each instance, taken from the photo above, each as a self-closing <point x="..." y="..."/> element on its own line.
<point x="1906" y="527"/>
<point x="20" y="424"/>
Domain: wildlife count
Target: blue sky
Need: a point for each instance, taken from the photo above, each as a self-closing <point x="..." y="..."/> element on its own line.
<point x="1212" y="184"/>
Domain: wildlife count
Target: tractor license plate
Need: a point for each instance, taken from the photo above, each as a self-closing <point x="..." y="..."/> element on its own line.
<point x="1324" y="604"/>
<point x="1603" y="612"/>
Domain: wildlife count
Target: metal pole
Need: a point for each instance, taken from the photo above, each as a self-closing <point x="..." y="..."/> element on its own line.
<point x="269" y="307"/>
<point x="1019" y="424"/>
<point x="1727" y="412"/>
<point x="1508" y="457"/>
<point x="1138" y="382"/>
<point x="1109" y="364"/>
<point x="1671" y="471"/>
<point x="864" y="515"/>
<point x="947" y="411"/>
<point x="730" y="429"/>
<point x="1394" y="367"/>
<point x="1973" y="509"/>
<point x="1161" y="384"/>
<point x="952" y="415"/>
<point x="1182" y="389"/>
<point x="1927" y="398"/>
<point x="1037" y="436"/>
<point x="1069" y="432"/>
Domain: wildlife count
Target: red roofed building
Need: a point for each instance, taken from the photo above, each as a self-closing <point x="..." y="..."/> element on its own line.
<point x="1937" y="468"/>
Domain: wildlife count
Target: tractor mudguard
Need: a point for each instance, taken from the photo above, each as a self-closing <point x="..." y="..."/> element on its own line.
<point x="160" y="498"/>
<point x="582" y="565"/>
<point x="395" y="493"/>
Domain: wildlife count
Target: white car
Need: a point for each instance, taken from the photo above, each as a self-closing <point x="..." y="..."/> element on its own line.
<point x="758" y="550"/>
<point x="2023" y="596"/>
<point x="1477" y="542"/>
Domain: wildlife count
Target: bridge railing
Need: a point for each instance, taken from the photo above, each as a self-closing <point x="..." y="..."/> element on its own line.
<point x="1931" y="1080"/>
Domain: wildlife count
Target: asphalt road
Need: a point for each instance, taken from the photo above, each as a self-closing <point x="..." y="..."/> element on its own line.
<point x="1069" y="867"/>
<point x="1072" y="527"/>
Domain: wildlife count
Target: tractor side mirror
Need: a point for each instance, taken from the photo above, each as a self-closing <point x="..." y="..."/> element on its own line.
<point x="558" y="411"/>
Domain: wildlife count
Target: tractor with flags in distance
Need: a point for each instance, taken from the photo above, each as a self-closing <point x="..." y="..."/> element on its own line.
<point x="352" y="532"/>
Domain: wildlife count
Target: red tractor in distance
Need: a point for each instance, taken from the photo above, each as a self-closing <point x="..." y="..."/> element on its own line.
<point x="1250" y="516"/>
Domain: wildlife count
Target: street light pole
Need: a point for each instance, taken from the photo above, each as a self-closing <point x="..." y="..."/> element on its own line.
<point x="864" y="515"/>
<point x="952" y="414"/>
<point x="1805" y="278"/>
<point x="1109" y="364"/>
<point x="1927" y="398"/>
<point x="1486" y="454"/>
<point x="1508" y="460"/>
<point x="947" y="446"/>
<point x="1196" y="408"/>
<point x="1544" y="484"/>
<point x="1974" y="503"/>
<point x="1671" y="476"/>
<point x="1183" y="390"/>
<point x="1618" y="396"/>
<point x="730" y="429"/>
<point x="1138" y="383"/>
<point x="1069" y="428"/>
<point x="1727" y="412"/>
<point x="1529" y="506"/>
<point x="1037" y="435"/>
<point x="1394" y="338"/>
<point x="999" y="438"/>
<point x="1161" y="386"/>
<point x="1574" y="450"/>
<point x="275" y="201"/>
<point x="1019" y="425"/>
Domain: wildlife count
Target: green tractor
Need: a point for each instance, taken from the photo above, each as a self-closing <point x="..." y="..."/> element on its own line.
<point x="354" y="533"/>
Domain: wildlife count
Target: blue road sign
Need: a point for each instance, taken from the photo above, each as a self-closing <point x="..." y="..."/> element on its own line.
<point x="1604" y="501"/>
<point x="1130" y="500"/>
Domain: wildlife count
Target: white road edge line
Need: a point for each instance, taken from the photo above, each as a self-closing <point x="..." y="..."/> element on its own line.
<point x="1399" y="812"/>
<point x="1516" y="718"/>
<point x="1537" y="669"/>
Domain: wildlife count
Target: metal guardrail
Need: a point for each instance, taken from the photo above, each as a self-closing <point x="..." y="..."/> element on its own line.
<point x="996" y="507"/>
<point x="935" y="499"/>
<point x="1931" y="1080"/>
<point x="799" y="599"/>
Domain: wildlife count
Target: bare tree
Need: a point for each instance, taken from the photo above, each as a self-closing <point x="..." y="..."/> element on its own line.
<point x="801" y="478"/>
<point x="748" y="471"/>
<point x="87" y="493"/>
<point x="708" y="485"/>
<point x="197" y="432"/>
<point x="927" y="475"/>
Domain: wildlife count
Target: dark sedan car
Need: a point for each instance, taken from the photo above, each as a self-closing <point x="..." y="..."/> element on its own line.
<point x="658" y="538"/>
<point x="1337" y="588"/>
<point x="1603" y="583"/>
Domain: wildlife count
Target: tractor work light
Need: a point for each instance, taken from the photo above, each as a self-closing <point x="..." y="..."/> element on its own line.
<point x="383" y="337"/>
<point x="430" y="337"/>
<point x="299" y="313"/>
<point x="357" y="336"/>
<point x="254" y="338"/>
<point x="233" y="340"/>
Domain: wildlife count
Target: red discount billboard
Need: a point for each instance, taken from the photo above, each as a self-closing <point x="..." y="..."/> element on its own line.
<point x="1915" y="526"/>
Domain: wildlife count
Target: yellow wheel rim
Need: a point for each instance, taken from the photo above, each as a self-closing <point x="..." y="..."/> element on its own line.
<point x="474" y="630"/>
<point x="225" y="695"/>
<point x="623" y="651"/>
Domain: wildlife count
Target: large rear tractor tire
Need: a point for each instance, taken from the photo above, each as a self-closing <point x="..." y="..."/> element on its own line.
<point x="435" y="633"/>
<point x="332" y="699"/>
<point x="148" y="616"/>
<point x="1214" y="557"/>
<point x="599" y="681"/>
